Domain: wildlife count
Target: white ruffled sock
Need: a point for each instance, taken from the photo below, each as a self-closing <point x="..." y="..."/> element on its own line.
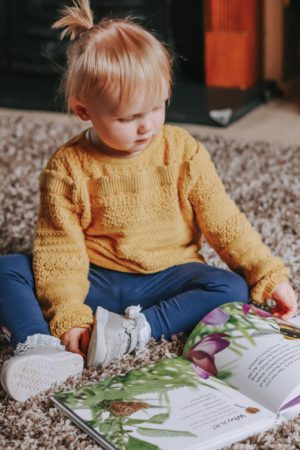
<point x="143" y="326"/>
<point x="37" y="340"/>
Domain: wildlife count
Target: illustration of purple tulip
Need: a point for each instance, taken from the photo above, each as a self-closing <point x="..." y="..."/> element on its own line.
<point x="203" y="353"/>
<point x="259" y="312"/>
<point x="215" y="317"/>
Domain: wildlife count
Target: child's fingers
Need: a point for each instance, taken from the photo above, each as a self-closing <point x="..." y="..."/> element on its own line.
<point x="75" y="349"/>
<point x="291" y="309"/>
<point x="278" y="314"/>
<point x="76" y="340"/>
<point x="284" y="310"/>
<point x="84" y="340"/>
<point x="285" y="297"/>
<point x="288" y="315"/>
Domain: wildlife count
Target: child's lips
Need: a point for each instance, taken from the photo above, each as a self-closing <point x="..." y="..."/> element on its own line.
<point x="142" y="141"/>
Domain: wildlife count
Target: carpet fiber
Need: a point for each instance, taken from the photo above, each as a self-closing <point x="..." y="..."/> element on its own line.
<point x="262" y="178"/>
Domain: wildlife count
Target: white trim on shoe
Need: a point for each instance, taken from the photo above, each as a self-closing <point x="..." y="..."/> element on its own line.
<point x="143" y="326"/>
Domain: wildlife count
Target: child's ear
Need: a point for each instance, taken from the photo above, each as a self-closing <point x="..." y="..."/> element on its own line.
<point x="78" y="108"/>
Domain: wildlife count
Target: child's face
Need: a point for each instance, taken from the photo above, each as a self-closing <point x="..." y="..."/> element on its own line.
<point x="131" y="131"/>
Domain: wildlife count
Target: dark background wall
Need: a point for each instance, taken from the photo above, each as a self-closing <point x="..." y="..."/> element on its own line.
<point x="31" y="54"/>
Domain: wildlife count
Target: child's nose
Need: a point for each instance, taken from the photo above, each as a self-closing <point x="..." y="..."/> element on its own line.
<point x="145" y="126"/>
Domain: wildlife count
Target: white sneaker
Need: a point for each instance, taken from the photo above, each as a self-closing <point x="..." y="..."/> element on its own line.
<point x="35" y="368"/>
<point x="115" y="335"/>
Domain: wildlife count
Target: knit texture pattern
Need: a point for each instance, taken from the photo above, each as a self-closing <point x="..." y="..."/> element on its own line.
<point x="139" y="214"/>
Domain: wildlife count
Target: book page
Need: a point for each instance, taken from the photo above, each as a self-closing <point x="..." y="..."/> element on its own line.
<point x="251" y="350"/>
<point x="165" y="405"/>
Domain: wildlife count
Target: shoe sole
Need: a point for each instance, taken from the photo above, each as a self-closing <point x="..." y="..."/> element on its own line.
<point x="97" y="349"/>
<point x="27" y="377"/>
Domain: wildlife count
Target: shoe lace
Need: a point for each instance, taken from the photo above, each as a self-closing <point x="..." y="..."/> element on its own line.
<point x="143" y="328"/>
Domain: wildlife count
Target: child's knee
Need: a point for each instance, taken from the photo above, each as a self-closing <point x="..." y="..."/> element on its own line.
<point x="239" y="289"/>
<point x="15" y="263"/>
<point x="7" y="262"/>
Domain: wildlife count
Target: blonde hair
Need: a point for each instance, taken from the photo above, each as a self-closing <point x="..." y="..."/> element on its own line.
<point x="116" y="58"/>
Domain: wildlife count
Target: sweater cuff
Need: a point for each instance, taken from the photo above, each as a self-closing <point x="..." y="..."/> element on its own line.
<point x="263" y="289"/>
<point x="65" y="319"/>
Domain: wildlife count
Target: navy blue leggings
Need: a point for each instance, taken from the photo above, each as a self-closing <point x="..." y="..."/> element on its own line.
<point x="173" y="300"/>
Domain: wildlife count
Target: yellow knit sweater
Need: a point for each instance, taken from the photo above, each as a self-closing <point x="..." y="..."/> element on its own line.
<point x="139" y="214"/>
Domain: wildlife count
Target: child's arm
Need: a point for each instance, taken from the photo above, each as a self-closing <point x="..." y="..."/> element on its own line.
<point x="286" y="301"/>
<point x="60" y="260"/>
<point x="228" y="231"/>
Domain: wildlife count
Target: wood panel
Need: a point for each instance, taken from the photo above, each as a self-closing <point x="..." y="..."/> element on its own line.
<point x="232" y="47"/>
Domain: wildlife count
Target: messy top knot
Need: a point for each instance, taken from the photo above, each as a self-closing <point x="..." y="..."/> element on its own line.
<point x="117" y="61"/>
<point x="75" y="19"/>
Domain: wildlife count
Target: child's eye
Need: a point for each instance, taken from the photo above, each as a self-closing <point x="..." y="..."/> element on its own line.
<point x="126" y="119"/>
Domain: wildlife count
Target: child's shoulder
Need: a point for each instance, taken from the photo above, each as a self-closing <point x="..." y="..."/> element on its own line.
<point x="67" y="153"/>
<point x="182" y="143"/>
<point x="177" y="133"/>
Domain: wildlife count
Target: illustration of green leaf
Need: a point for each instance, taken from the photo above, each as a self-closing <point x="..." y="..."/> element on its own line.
<point x="104" y="428"/>
<point x="158" y="418"/>
<point x="223" y="374"/>
<point x="154" y="432"/>
<point x="235" y="350"/>
<point x="90" y="391"/>
<point x="234" y="341"/>
<point x="137" y="444"/>
<point x="246" y="334"/>
<point x="157" y="379"/>
<point x="165" y="398"/>
<point x="132" y="422"/>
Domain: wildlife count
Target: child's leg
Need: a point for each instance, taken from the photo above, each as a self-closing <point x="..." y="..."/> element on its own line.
<point x="39" y="360"/>
<point x="176" y="299"/>
<point x="173" y="300"/>
<point x="20" y="312"/>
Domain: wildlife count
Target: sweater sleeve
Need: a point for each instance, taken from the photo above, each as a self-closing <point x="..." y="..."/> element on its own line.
<point x="60" y="260"/>
<point x="228" y="231"/>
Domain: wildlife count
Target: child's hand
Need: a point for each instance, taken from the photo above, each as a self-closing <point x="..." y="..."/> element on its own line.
<point x="76" y="340"/>
<point x="286" y="301"/>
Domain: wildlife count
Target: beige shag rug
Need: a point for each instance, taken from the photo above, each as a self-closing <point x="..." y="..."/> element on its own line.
<point x="262" y="178"/>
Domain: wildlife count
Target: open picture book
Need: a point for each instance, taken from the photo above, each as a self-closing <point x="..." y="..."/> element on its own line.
<point x="238" y="375"/>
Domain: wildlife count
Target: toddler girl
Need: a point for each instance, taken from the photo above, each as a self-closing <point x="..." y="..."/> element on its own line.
<point x="123" y="208"/>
